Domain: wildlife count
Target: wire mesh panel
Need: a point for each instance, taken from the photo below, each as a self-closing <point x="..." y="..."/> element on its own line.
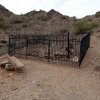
<point x="37" y="47"/>
<point x="59" y="48"/>
<point x="65" y="49"/>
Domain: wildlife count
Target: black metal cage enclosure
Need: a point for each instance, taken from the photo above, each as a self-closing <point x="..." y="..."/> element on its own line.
<point x="60" y="48"/>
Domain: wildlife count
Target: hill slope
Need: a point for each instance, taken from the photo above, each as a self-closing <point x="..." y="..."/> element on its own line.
<point x="42" y="22"/>
<point x="37" y="22"/>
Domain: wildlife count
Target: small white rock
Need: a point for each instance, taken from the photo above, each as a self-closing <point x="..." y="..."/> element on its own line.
<point x="9" y="67"/>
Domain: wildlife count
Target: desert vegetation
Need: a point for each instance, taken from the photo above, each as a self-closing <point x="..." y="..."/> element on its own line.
<point x="42" y="22"/>
<point x="2" y="23"/>
<point x="82" y="26"/>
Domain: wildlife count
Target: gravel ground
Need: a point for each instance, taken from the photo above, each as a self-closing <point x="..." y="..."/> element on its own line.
<point x="42" y="81"/>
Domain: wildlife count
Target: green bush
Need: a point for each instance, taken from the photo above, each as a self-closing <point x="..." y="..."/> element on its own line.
<point x="80" y="27"/>
<point x="94" y="25"/>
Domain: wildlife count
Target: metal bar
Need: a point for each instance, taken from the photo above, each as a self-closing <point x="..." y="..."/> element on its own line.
<point x="26" y="47"/>
<point x="9" y="47"/>
<point x="49" y="51"/>
<point x="68" y="46"/>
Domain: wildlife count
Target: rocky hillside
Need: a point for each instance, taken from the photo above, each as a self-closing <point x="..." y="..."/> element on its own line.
<point x="39" y="22"/>
<point x="42" y="22"/>
<point x="34" y="22"/>
<point x="4" y="12"/>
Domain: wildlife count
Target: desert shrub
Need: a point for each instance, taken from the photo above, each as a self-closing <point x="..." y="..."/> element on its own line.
<point x="1" y="19"/>
<point x="2" y="26"/>
<point x="2" y="23"/>
<point x="80" y="27"/>
<point x="74" y="18"/>
<point x="3" y="41"/>
<point x="89" y="19"/>
<point x="43" y="18"/>
<point x="1" y="46"/>
<point x="97" y="14"/>
<point x="17" y="21"/>
<point x="94" y="25"/>
<point x="24" y="25"/>
<point x="64" y="31"/>
<point x="65" y="17"/>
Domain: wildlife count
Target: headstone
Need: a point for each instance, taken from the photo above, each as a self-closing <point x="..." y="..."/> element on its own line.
<point x="41" y="52"/>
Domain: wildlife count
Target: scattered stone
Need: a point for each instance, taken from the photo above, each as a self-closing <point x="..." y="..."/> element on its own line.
<point x="97" y="68"/>
<point x="9" y="67"/>
<point x="38" y="84"/>
<point x="91" y="47"/>
<point x="10" y="74"/>
<point x="74" y="59"/>
<point x="15" y="89"/>
<point x="2" y="82"/>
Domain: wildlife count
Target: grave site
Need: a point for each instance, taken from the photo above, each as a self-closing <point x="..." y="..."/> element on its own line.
<point x="28" y="73"/>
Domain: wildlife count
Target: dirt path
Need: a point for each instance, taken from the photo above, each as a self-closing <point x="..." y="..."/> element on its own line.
<point x="43" y="81"/>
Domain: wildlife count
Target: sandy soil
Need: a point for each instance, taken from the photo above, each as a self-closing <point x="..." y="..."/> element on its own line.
<point x="42" y="81"/>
